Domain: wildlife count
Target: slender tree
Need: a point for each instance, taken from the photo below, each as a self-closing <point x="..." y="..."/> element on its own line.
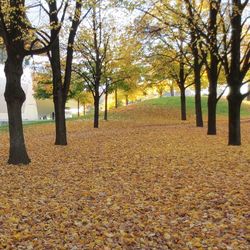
<point x="197" y="61"/>
<point x="61" y="81"/>
<point x="93" y="48"/>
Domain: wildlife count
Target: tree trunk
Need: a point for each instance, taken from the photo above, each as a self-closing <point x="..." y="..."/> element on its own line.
<point x="106" y="106"/>
<point x="78" y="107"/>
<point x="183" y="105"/>
<point x="212" y="96"/>
<point x="84" y="109"/>
<point x="58" y="95"/>
<point x="211" y="105"/>
<point x="198" y="109"/>
<point x="15" y="97"/>
<point x="126" y="100"/>
<point x="96" y="112"/>
<point x="61" y="133"/>
<point x="172" y="90"/>
<point x="234" y="104"/>
<point x="248" y="97"/>
<point x="212" y="70"/>
<point x="116" y="98"/>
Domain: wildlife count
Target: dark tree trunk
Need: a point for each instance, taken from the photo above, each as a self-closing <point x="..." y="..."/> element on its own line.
<point x="234" y="104"/>
<point x="116" y="98"/>
<point x="59" y="104"/>
<point x="172" y="90"/>
<point x="211" y="105"/>
<point x="106" y="105"/>
<point x="198" y="109"/>
<point x="181" y="84"/>
<point x="58" y="95"/>
<point x="84" y="109"/>
<point x="183" y="105"/>
<point x="78" y="107"/>
<point x="212" y="70"/>
<point x="212" y="96"/>
<point x="197" y="64"/>
<point x="248" y="97"/>
<point x="235" y="77"/>
<point x="126" y="100"/>
<point x="15" y="97"/>
<point x="96" y="112"/>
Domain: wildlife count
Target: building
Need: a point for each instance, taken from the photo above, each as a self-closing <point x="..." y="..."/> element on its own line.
<point x="29" y="109"/>
<point x="32" y="109"/>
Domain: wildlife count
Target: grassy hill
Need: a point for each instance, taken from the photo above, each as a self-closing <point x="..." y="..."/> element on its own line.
<point x="157" y="110"/>
<point x="174" y="102"/>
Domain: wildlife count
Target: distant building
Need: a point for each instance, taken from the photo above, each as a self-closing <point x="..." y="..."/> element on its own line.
<point x="32" y="109"/>
<point x="29" y="109"/>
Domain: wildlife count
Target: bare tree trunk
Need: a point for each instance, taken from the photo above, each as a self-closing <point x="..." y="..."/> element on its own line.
<point x="183" y="105"/>
<point x="198" y="109"/>
<point x="172" y="89"/>
<point x="234" y="104"/>
<point x="106" y="105"/>
<point x="59" y="105"/>
<point x="116" y="98"/>
<point x="211" y="105"/>
<point x="58" y="95"/>
<point x="212" y="70"/>
<point x="96" y="112"/>
<point x="78" y="107"/>
<point x="84" y="109"/>
<point x="15" y="97"/>
<point x="212" y="96"/>
<point x="126" y="100"/>
<point x="235" y="77"/>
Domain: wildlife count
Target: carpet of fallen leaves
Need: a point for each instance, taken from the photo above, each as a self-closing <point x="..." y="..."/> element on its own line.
<point x="154" y="183"/>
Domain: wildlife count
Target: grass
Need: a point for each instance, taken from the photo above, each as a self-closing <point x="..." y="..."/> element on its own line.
<point x="170" y="103"/>
<point x="174" y="102"/>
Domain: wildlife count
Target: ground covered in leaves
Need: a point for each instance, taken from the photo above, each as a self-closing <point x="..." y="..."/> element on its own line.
<point x="154" y="183"/>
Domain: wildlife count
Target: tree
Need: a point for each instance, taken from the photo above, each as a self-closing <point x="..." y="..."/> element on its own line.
<point x="236" y="68"/>
<point x="61" y="82"/>
<point x="197" y="58"/>
<point x="21" y="39"/>
<point x="93" y="46"/>
<point x="208" y="28"/>
<point x="169" y="58"/>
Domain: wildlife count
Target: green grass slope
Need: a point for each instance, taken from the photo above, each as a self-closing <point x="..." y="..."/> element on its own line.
<point x="174" y="102"/>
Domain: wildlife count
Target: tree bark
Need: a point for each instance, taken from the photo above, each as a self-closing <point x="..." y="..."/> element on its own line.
<point x="126" y="100"/>
<point x="183" y="105"/>
<point x="78" y="107"/>
<point x="198" y="109"/>
<point x="212" y="70"/>
<point x="59" y="105"/>
<point x="58" y="95"/>
<point x="15" y="97"/>
<point x="211" y="105"/>
<point x="212" y="96"/>
<point x="235" y="77"/>
<point x="96" y="112"/>
<point x="116" y="98"/>
<point x="197" y="64"/>
<point x="234" y="104"/>
<point x="106" y="105"/>
<point x="172" y="90"/>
